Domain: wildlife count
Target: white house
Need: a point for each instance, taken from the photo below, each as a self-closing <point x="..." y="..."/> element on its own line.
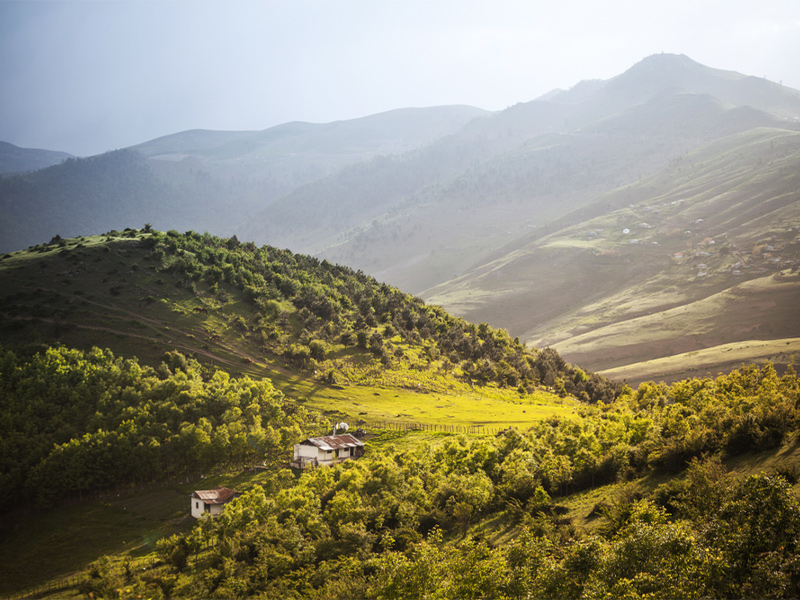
<point x="211" y="501"/>
<point x="326" y="451"/>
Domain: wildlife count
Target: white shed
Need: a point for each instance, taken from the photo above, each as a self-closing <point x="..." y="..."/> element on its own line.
<point x="326" y="451"/>
<point x="211" y="501"/>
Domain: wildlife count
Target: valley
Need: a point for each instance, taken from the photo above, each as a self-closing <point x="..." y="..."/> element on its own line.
<point x="568" y="330"/>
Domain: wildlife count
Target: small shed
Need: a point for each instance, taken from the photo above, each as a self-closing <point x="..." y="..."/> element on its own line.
<point x="327" y="450"/>
<point x="211" y="501"/>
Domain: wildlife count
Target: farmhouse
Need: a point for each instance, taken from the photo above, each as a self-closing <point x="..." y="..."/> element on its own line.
<point x="326" y="451"/>
<point x="211" y="501"/>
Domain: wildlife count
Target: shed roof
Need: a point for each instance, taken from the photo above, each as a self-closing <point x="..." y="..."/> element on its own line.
<point x="219" y="495"/>
<point x="333" y="442"/>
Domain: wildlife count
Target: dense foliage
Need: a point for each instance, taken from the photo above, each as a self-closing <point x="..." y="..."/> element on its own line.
<point x="74" y="422"/>
<point x="415" y="523"/>
<point x="307" y="308"/>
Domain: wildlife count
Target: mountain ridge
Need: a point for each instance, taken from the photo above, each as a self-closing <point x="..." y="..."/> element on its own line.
<point x="14" y="159"/>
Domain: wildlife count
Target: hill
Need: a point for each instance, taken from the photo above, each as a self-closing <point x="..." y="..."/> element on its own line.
<point x="264" y="312"/>
<point x="701" y="254"/>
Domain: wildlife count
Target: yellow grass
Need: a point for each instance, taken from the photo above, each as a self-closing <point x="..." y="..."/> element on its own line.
<point x="478" y="407"/>
<point x="671" y="367"/>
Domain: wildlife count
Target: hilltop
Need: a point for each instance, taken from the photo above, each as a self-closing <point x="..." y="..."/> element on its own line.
<point x="260" y="311"/>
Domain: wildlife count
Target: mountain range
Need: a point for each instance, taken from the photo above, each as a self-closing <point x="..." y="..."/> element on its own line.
<point x="650" y="216"/>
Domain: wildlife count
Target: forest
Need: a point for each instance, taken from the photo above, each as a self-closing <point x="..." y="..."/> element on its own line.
<point x="416" y="522"/>
<point x="76" y="422"/>
<point x="336" y="306"/>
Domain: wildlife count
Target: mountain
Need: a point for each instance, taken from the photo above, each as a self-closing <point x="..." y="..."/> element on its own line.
<point x="428" y="216"/>
<point x="102" y="192"/>
<point x="392" y="132"/>
<point x="478" y="211"/>
<point x="14" y="159"/>
<point x="204" y="180"/>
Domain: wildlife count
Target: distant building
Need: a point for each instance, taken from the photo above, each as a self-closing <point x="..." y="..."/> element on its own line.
<point x="211" y="501"/>
<point x="327" y="450"/>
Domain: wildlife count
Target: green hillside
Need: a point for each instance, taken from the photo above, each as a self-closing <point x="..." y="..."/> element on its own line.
<point x="195" y="325"/>
<point x="260" y="311"/>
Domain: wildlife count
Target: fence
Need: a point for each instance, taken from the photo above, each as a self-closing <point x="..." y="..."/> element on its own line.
<point x="442" y="428"/>
<point x="44" y="590"/>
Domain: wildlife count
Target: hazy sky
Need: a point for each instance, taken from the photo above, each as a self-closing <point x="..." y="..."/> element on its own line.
<point x="90" y="76"/>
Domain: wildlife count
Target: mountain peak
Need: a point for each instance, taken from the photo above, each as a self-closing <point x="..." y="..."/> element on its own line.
<point x="667" y="59"/>
<point x="660" y="71"/>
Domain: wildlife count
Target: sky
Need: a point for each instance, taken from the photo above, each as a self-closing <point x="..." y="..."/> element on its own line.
<point x="89" y="76"/>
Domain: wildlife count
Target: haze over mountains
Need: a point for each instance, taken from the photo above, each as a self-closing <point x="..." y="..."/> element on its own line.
<point x="567" y="219"/>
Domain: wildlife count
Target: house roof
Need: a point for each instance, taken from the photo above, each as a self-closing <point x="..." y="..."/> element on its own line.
<point x="333" y="442"/>
<point x="219" y="495"/>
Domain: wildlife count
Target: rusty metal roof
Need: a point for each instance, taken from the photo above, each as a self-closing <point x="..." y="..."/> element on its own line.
<point x="333" y="442"/>
<point x="219" y="495"/>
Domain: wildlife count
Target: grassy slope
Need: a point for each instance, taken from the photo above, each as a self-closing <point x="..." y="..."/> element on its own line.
<point x="699" y="363"/>
<point x="761" y="309"/>
<point x="82" y="294"/>
<point x="714" y="219"/>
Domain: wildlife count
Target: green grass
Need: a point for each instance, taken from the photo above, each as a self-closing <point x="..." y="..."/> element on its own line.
<point x="61" y="542"/>
<point x="489" y="407"/>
